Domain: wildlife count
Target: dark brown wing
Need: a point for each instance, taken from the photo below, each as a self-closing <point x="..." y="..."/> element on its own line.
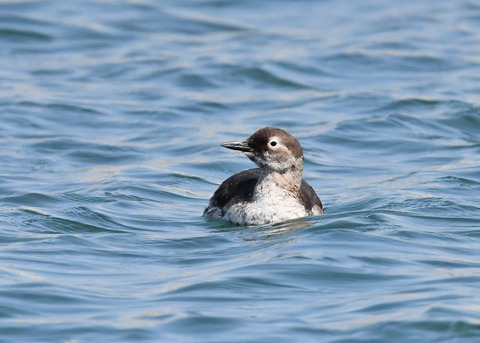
<point x="239" y="186"/>
<point x="309" y="197"/>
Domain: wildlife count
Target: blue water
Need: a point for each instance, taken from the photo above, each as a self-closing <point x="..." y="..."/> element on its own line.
<point x="112" y="113"/>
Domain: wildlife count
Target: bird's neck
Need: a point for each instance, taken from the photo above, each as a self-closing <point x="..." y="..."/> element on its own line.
<point x="289" y="180"/>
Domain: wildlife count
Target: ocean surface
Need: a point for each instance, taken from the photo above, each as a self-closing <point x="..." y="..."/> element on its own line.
<point x="111" y="117"/>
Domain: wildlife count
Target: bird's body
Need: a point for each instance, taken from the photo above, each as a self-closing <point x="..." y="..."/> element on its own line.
<point x="272" y="193"/>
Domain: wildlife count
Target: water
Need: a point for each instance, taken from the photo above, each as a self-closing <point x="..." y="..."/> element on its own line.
<point x="112" y="113"/>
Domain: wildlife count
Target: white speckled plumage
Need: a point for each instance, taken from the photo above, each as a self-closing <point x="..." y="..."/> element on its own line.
<point x="274" y="192"/>
<point x="270" y="204"/>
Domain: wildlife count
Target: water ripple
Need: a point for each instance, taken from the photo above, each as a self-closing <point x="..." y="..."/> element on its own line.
<point x="112" y="116"/>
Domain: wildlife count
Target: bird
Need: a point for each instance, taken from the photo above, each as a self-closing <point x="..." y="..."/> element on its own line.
<point x="274" y="192"/>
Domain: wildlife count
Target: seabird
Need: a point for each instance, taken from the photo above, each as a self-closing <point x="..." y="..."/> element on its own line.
<point x="271" y="193"/>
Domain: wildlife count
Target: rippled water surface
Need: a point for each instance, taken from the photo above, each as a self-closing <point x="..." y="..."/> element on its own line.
<point x="112" y="113"/>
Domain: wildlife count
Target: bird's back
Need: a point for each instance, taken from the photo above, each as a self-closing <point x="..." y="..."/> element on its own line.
<point x="240" y="188"/>
<point x="236" y="188"/>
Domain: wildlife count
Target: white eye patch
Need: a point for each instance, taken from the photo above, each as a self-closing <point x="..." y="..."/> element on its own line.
<point x="274" y="142"/>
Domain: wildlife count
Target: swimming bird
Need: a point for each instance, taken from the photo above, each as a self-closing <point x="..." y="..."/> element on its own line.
<point x="271" y="193"/>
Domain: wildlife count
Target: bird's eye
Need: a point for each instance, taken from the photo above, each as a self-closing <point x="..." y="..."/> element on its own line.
<point x="273" y="143"/>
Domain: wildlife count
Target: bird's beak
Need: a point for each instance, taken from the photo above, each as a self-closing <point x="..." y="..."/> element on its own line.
<point x="237" y="145"/>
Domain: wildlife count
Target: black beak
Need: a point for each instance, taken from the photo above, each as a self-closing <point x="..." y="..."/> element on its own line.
<point x="236" y="145"/>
